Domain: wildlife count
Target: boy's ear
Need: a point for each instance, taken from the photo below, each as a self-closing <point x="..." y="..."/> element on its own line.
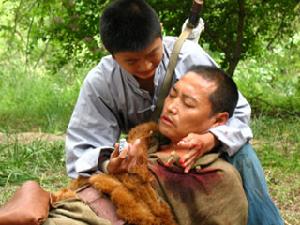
<point x="221" y="119"/>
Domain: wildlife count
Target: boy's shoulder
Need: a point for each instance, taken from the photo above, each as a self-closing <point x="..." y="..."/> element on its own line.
<point x="188" y="45"/>
<point x="168" y="42"/>
<point x="103" y="70"/>
<point x="107" y="65"/>
<point x="107" y="62"/>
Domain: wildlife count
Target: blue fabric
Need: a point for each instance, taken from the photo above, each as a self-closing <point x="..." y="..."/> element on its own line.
<point x="262" y="210"/>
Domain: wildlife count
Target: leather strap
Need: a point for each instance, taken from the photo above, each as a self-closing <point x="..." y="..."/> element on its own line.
<point x="164" y="91"/>
<point x="100" y="204"/>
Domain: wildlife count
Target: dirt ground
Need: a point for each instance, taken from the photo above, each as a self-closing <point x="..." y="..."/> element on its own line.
<point x="29" y="137"/>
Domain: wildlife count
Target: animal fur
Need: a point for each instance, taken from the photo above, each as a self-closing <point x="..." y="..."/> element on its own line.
<point x="135" y="199"/>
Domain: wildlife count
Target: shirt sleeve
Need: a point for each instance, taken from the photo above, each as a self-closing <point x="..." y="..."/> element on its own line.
<point x="236" y="132"/>
<point x="92" y="127"/>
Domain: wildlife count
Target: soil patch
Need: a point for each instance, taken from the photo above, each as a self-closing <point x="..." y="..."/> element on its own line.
<point x="29" y="137"/>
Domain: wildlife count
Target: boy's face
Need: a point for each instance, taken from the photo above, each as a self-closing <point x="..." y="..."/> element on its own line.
<point x="187" y="108"/>
<point x="142" y="64"/>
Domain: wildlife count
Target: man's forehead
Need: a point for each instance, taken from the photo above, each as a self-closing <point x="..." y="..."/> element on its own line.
<point x="197" y="79"/>
<point x="193" y="81"/>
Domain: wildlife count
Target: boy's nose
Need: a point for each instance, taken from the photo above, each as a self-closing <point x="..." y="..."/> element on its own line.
<point x="146" y="65"/>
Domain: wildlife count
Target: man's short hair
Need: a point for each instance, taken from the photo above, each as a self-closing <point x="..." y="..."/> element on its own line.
<point x="225" y="97"/>
<point x="128" y="25"/>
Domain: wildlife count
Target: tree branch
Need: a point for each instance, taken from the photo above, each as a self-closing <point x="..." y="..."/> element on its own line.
<point x="215" y="38"/>
<point x="43" y="53"/>
<point x="280" y="27"/>
<point x="28" y="40"/>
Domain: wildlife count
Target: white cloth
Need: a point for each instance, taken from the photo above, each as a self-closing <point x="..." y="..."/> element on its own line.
<point x="196" y="32"/>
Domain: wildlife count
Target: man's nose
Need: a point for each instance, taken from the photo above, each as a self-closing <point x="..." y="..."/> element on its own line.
<point x="172" y="107"/>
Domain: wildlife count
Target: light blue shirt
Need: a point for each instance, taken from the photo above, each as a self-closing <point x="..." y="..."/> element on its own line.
<point x="111" y="101"/>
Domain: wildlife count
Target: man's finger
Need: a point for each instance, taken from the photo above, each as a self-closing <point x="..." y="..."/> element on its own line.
<point x="133" y="149"/>
<point x="124" y="153"/>
<point x="115" y="152"/>
<point x="115" y="165"/>
<point x="190" y="162"/>
<point x="184" y="159"/>
<point x="171" y="159"/>
<point x="187" y="169"/>
<point x="183" y="145"/>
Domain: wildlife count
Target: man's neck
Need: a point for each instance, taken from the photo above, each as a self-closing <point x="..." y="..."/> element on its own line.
<point x="169" y="149"/>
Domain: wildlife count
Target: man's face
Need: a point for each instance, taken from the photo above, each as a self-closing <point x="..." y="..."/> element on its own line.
<point x="187" y="108"/>
<point x="142" y="64"/>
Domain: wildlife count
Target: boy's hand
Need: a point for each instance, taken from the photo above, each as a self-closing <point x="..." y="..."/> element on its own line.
<point x="198" y="145"/>
<point x="127" y="159"/>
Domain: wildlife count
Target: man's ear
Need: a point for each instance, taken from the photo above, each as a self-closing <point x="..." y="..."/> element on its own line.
<point x="221" y="119"/>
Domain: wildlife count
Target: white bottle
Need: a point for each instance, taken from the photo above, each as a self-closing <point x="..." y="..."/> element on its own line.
<point x="122" y="144"/>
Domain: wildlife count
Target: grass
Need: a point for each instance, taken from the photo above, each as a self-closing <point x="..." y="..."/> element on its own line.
<point x="276" y="140"/>
<point x="40" y="161"/>
<point x="34" y="98"/>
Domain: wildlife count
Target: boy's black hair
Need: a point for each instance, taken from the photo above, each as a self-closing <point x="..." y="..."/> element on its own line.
<point x="225" y="97"/>
<point x="128" y="25"/>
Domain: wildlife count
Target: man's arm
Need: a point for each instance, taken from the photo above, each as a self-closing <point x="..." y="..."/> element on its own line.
<point x="92" y="127"/>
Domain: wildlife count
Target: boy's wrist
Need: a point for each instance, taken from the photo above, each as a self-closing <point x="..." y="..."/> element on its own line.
<point x="214" y="143"/>
<point x="104" y="166"/>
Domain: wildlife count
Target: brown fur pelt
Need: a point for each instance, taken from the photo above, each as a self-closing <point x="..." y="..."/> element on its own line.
<point x="135" y="199"/>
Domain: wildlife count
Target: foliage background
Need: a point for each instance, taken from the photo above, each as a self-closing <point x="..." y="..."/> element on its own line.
<point x="47" y="47"/>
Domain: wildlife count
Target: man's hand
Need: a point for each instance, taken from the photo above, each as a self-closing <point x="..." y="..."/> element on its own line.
<point x="127" y="159"/>
<point x="198" y="145"/>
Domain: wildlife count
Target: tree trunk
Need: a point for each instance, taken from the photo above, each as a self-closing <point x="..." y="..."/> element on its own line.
<point x="235" y="56"/>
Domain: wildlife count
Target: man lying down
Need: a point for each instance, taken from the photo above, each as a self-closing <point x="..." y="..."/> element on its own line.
<point x="211" y="192"/>
<point x="147" y="182"/>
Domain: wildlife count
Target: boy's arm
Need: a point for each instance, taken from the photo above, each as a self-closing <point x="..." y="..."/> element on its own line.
<point x="92" y="128"/>
<point x="236" y="132"/>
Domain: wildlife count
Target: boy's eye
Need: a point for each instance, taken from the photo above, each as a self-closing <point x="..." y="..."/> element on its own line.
<point x="131" y="62"/>
<point x="154" y="55"/>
